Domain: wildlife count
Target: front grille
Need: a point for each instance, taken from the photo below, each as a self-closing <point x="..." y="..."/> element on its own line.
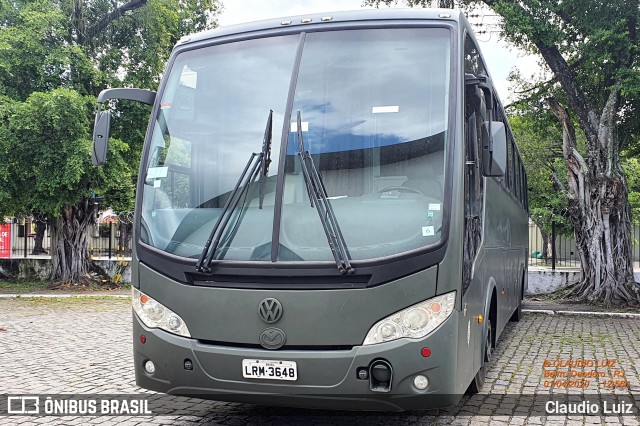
<point x="284" y="348"/>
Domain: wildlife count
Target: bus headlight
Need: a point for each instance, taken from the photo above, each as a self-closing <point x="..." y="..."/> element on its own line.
<point x="155" y="315"/>
<point x="413" y="322"/>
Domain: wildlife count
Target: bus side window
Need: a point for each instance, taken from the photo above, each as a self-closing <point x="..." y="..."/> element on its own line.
<point x="474" y="117"/>
<point x="517" y="169"/>
<point x="509" y="171"/>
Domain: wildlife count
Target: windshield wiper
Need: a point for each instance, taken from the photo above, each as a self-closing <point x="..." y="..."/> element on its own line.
<point x="258" y="165"/>
<point x="265" y="156"/>
<point x="317" y="192"/>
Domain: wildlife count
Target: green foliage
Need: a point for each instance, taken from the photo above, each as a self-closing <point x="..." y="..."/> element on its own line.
<point x="35" y="54"/>
<point x="134" y="51"/>
<point x="540" y="147"/>
<point x="7" y="163"/>
<point x="55" y="165"/>
<point x="631" y="167"/>
<point x="55" y="57"/>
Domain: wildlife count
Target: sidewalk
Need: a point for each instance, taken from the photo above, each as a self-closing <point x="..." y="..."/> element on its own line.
<point x="6" y="292"/>
<point x="559" y="307"/>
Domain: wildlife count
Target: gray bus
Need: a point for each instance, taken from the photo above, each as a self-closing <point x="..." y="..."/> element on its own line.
<point x="331" y="212"/>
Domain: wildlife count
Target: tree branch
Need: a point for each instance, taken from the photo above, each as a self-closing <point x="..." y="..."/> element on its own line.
<point x="606" y="131"/>
<point x="557" y="182"/>
<point x="568" y="131"/>
<point x="112" y="16"/>
<point x="576" y="97"/>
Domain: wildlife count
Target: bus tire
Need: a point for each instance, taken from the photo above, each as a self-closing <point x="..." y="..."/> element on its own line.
<point x="479" y="379"/>
<point x="517" y="314"/>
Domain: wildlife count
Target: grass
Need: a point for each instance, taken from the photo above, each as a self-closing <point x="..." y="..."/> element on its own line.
<point x="39" y="301"/>
<point x="43" y="305"/>
<point x="45" y="286"/>
<point x="22" y="286"/>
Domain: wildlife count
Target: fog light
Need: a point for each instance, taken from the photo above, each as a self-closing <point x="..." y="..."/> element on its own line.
<point x="420" y="382"/>
<point x="149" y="367"/>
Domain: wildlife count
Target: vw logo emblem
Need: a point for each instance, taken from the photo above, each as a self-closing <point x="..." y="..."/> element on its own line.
<point x="272" y="338"/>
<point x="270" y="310"/>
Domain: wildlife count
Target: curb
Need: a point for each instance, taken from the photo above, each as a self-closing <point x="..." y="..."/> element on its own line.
<point x="62" y="296"/>
<point x="584" y="313"/>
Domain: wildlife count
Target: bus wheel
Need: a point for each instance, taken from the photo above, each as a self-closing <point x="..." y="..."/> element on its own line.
<point x="517" y="314"/>
<point x="478" y="380"/>
<point x="488" y="347"/>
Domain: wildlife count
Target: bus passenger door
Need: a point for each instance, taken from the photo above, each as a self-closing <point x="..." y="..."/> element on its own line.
<point x="474" y="289"/>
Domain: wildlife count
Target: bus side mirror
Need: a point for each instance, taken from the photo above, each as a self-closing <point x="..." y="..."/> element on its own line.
<point x="494" y="148"/>
<point x="101" y="137"/>
<point x="103" y="118"/>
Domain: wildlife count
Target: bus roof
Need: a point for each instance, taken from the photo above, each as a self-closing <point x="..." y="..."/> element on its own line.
<point x="326" y="18"/>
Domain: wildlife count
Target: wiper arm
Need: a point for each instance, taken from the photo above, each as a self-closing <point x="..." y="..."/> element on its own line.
<point x="317" y="193"/>
<point x="265" y="155"/>
<point x="258" y="164"/>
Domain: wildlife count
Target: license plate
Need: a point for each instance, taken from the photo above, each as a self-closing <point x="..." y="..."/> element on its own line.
<point x="269" y="369"/>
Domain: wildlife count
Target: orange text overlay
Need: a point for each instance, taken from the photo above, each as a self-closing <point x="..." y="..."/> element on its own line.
<point x="580" y="373"/>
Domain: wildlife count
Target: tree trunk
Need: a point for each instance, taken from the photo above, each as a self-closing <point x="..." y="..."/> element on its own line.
<point x="69" y="243"/>
<point x="546" y="248"/>
<point x="41" y="227"/>
<point x="603" y="239"/>
<point x="599" y="210"/>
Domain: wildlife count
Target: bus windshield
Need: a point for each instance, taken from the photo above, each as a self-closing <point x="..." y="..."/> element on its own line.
<point x="374" y="105"/>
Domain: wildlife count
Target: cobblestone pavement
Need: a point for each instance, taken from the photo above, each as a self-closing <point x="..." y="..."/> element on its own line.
<point x="84" y="346"/>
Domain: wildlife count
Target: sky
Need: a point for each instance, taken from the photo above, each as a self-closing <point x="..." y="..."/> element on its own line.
<point x="500" y="58"/>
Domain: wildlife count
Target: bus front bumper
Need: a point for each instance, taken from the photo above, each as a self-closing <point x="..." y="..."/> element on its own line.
<point x="327" y="379"/>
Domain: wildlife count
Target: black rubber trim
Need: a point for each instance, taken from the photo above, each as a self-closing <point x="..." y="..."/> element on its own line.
<point x="284" y="348"/>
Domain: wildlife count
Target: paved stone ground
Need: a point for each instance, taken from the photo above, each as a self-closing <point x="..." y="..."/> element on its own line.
<point x="83" y="346"/>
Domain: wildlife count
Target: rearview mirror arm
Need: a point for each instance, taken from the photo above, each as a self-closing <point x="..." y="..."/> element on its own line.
<point x="130" y="94"/>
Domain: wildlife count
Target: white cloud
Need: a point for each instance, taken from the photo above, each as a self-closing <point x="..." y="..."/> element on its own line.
<point x="501" y="58"/>
<point x="236" y="12"/>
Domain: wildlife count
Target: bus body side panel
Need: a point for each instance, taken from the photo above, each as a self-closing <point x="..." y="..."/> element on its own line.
<point x="504" y="243"/>
<point x="470" y="330"/>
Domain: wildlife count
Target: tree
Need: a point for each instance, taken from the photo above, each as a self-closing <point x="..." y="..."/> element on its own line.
<point x="537" y="141"/>
<point x="55" y="58"/>
<point x="592" y="50"/>
<point x="55" y="176"/>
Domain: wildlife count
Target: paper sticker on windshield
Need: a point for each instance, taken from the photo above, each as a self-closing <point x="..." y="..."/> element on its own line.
<point x="434" y="206"/>
<point x="428" y="231"/>
<point x="157" y="172"/>
<point x="305" y="126"/>
<point x="157" y="183"/>
<point x="385" y="109"/>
